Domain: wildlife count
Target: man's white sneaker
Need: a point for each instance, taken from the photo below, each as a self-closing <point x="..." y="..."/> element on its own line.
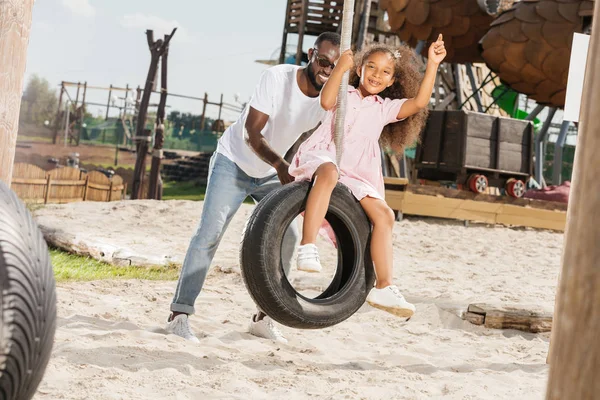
<point x="265" y="328"/>
<point x="391" y="300"/>
<point x="308" y="258"/>
<point x="180" y="326"/>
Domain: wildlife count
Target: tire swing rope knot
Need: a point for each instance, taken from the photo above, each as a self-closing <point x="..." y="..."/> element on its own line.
<point x="260" y="251"/>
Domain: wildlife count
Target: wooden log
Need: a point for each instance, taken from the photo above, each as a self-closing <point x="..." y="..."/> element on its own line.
<point x="15" y="27"/>
<point x="476" y="319"/>
<point x="519" y="319"/>
<point x="524" y="318"/>
<point x="575" y="350"/>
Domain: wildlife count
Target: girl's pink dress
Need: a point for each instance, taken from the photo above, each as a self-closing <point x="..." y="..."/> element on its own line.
<point x="360" y="168"/>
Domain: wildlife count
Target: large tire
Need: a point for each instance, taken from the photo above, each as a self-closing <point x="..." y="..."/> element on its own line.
<point x="262" y="270"/>
<point x="27" y="300"/>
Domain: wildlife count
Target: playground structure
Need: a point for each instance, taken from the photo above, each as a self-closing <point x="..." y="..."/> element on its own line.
<point x="499" y="163"/>
<point x="526" y="49"/>
<point x="126" y="104"/>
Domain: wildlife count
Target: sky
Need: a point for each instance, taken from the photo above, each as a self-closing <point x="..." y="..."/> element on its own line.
<point x="104" y="42"/>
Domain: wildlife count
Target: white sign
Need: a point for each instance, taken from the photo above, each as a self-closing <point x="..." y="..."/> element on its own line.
<point x="579" y="52"/>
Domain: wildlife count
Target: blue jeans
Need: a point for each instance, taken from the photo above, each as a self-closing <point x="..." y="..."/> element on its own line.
<point x="226" y="190"/>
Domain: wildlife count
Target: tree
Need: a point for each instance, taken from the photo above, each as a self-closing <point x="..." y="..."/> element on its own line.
<point x="39" y="101"/>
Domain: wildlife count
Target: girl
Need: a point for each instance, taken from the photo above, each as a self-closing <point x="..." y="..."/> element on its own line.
<point x="393" y="73"/>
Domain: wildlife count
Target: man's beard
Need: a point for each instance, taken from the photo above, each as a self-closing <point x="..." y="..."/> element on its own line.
<point x="312" y="78"/>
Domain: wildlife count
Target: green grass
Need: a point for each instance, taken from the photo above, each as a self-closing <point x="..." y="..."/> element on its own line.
<point x="188" y="191"/>
<point x="183" y="191"/>
<point x="69" y="268"/>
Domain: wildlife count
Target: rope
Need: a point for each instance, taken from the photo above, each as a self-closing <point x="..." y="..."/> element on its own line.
<point x="347" y="17"/>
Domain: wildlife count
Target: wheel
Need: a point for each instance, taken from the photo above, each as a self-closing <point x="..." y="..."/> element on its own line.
<point x="27" y="300"/>
<point x="515" y="187"/>
<point x="262" y="271"/>
<point x="478" y="183"/>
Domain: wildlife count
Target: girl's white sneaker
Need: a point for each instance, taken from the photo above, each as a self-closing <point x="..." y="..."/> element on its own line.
<point x="308" y="258"/>
<point x="391" y="300"/>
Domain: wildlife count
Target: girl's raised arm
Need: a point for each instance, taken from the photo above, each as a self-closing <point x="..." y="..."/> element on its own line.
<point x="332" y="86"/>
<point x="437" y="52"/>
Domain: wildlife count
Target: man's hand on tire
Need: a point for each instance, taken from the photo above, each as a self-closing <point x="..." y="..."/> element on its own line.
<point x="283" y="174"/>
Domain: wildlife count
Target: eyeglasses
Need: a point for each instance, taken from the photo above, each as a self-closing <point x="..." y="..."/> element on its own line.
<point x="323" y="62"/>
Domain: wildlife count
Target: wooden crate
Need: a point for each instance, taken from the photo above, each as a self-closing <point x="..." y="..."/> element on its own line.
<point x="456" y="144"/>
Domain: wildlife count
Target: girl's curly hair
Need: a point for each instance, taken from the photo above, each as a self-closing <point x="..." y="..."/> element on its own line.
<point x="407" y="80"/>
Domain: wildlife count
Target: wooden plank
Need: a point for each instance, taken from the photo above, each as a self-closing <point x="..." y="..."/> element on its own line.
<point x="394" y="199"/>
<point x="461" y="209"/>
<point x="85" y="189"/>
<point x="65" y="200"/>
<point x="479" y="308"/>
<point x="48" y="187"/>
<point x="523" y="317"/>
<point x="476" y="319"/>
<point x="388" y="180"/>
<point x="104" y="187"/>
<point x="531" y="222"/>
<point x="529" y="212"/>
<point x="68" y="182"/>
<point x="519" y="319"/>
<point x="29" y="181"/>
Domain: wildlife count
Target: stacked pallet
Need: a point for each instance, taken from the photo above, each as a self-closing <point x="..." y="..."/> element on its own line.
<point x="187" y="169"/>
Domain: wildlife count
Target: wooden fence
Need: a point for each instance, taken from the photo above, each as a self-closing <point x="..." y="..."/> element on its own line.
<point x="64" y="185"/>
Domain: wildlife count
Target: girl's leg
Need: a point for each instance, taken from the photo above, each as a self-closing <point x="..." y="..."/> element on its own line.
<point x="385" y="295"/>
<point x="326" y="178"/>
<point x="382" y="218"/>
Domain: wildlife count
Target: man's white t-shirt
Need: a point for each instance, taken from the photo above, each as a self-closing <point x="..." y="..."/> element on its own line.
<point x="291" y="113"/>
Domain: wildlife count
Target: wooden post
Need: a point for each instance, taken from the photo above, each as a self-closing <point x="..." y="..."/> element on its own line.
<point x="108" y="101"/>
<point x="142" y="136"/>
<point x="77" y="95"/>
<point x="363" y="25"/>
<point x="155" y="184"/>
<point x="86" y="187"/>
<point x="202" y="120"/>
<point x="286" y="23"/>
<point x="15" y="26"/>
<point x="57" y="118"/>
<point x="301" y="29"/>
<point x="575" y="349"/>
<point x="220" y="107"/>
<point x="48" y="186"/>
<point x="110" y="190"/>
<point x="81" y="115"/>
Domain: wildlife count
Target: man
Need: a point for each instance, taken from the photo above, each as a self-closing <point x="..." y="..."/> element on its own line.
<point x="248" y="162"/>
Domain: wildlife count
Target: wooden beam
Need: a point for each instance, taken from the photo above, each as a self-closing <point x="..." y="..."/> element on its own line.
<point x="524" y="318"/>
<point x="15" y="26"/>
<point x="575" y="349"/>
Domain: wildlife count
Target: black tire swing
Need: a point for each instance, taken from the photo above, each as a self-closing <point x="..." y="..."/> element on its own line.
<point x="27" y="300"/>
<point x="260" y="254"/>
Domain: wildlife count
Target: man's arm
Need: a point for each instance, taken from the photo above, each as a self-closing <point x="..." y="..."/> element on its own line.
<point x="255" y="122"/>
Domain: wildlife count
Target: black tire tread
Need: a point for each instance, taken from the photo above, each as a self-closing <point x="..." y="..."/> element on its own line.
<point x="257" y="267"/>
<point x="27" y="300"/>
